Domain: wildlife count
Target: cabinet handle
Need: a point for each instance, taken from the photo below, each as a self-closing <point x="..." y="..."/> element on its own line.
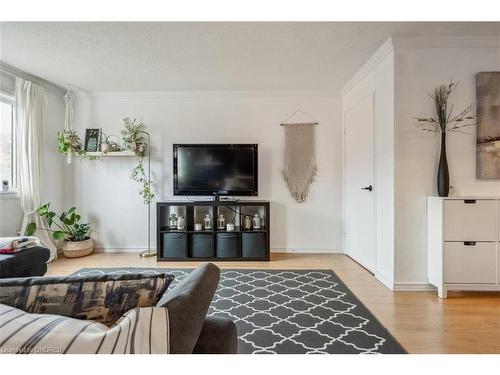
<point x="469" y="243"/>
<point x="469" y="201"/>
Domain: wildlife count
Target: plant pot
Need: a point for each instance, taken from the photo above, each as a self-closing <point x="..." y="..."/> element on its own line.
<point x="105" y="147"/>
<point x="78" y="249"/>
<point x="140" y="149"/>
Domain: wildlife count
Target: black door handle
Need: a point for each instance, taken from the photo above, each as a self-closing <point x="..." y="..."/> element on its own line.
<point x="369" y="188"/>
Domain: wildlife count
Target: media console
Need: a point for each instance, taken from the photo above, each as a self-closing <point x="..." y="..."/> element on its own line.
<point x="213" y="244"/>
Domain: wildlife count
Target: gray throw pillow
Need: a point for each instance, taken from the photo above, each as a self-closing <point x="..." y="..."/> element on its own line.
<point x="103" y="298"/>
<point x="188" y="304"/>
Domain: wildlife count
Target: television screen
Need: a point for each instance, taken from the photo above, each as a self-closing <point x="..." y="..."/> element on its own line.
<point x="215" y="169"/>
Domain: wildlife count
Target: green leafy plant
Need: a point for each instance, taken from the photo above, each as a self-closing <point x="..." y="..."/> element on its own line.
<point x="68" y="141"/>
<point x="67" y="225"/>
<point x="445" y="121"/>
<point x="133" y="134"/>
<point x="112" y="146"/>
<point x="139" y="176"/>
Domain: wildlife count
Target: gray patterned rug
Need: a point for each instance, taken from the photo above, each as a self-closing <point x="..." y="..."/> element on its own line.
<point x="290" y="312"/>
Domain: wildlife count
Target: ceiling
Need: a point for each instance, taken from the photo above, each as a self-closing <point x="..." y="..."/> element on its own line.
<point x="165" y="56"/>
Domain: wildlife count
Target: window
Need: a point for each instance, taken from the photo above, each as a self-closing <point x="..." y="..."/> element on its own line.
<point x="7" y="142"/>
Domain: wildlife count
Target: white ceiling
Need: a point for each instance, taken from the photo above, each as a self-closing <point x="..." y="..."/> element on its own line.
<point x="147" y="56"/>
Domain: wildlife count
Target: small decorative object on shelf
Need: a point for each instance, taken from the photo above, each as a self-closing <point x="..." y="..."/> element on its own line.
<point x="172" y="221"/>
<point x="181" y="223"/>
<point x="221" y="222"/>
<point x="247" y="223"/>
<point x="197" y="226"/>
<point x="92" y="140"/>
<point x="207" y="222"/>
<point x="107" y="145"/>
<point x="256" y="221"/>
<point x="230" y="227"/>
<point x="5" y="185"/>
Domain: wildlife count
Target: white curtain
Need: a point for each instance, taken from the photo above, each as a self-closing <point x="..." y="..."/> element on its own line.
<point x="30" y="107"/>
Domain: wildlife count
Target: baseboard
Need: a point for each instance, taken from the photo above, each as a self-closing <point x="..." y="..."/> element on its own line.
<point x="388" y="282"/>
<point x="120" y="249"/>
<point x="306" y="251"/>
<point x="414" y="287"/>
<point x="275" y="250"/>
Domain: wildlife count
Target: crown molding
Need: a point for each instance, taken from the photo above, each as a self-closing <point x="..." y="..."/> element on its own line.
<point x="446" y="42"/>
<point x="386" y="48"/>
<point x="15" y="72"/>
<point x="165" y="95"/>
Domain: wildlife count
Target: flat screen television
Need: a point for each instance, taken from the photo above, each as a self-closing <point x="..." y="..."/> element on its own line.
<point x="215" y="169"/>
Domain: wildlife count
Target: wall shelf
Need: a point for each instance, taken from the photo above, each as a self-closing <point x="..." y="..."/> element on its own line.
<point x="101" y="154"/>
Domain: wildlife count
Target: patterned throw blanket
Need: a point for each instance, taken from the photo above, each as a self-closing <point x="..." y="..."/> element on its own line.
<point x="11" y="245"/>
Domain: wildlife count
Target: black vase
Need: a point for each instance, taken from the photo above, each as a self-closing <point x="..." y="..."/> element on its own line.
<point x="443" y="177"/>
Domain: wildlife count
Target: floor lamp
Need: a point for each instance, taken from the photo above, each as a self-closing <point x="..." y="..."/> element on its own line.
<point x="148" y="253"/>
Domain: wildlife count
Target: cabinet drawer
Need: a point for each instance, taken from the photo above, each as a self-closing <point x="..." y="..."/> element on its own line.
<point x="470" y="220"/>
<point x="473" y="263"/>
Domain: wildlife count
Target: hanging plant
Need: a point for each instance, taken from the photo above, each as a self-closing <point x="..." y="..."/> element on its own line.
<point x="69" y="142"/>
<point x="139" y="176"/>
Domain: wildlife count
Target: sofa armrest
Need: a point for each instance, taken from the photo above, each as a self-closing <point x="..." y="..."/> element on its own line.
<point x="218" y="336"/>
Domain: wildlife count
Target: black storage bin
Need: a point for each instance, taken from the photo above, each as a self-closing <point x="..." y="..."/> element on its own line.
<point x="227" y="245"/>
<point x="174" y="245"/>
<point x="202" y="245"/>
<point x="253" y="245"/>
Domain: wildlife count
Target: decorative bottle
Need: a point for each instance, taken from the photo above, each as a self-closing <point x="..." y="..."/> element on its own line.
<point x="181" y="223"/>
<point x="256" y="221"/>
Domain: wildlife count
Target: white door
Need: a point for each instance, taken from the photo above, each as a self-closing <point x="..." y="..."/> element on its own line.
<point x="359" y="188"/>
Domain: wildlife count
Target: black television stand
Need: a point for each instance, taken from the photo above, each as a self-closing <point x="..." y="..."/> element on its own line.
<point x="212" y="243"/>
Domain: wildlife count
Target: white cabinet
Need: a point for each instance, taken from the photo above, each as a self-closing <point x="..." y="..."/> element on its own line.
<point x="463" y="243"/>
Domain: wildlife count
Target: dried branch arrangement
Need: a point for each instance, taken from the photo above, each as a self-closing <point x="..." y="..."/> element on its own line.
<point x="445" y="121"/>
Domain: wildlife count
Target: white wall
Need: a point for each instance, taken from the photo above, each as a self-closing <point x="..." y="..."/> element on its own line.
<point x="52" y="173"/>
<point x="422" y="65"/>
<point x="104" y="193"/>
<point x="376" y="78"/>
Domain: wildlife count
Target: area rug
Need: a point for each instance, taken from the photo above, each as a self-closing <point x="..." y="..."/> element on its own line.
<point x="290" y="312"/>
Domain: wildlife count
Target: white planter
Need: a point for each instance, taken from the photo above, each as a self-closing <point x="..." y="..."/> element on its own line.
<point x="78" y="249"/>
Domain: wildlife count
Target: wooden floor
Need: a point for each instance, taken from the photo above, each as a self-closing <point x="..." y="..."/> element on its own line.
<point x="420" y="321"/>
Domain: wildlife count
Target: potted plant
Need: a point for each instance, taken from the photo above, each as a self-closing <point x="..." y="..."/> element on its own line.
<point x="107" y="145"/>
<point x="443" y="123"/>
<point x="133" y="136"/>
<point x="69" y="143"/>
<point x="77" y="242"/>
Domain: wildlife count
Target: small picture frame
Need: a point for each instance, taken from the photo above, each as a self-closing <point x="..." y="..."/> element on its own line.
<point x="92" y="140"/>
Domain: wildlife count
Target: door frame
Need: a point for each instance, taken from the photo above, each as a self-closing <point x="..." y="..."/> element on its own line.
<point x="370" y="95"/>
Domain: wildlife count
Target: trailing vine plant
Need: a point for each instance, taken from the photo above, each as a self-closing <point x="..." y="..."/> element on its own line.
<point x="133" y="135"/>
<point x="139" y="176"/>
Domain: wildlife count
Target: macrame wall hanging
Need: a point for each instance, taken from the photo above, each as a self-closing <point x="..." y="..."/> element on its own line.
<point x="299" y="159"/>
<point x="69" y="120"/>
